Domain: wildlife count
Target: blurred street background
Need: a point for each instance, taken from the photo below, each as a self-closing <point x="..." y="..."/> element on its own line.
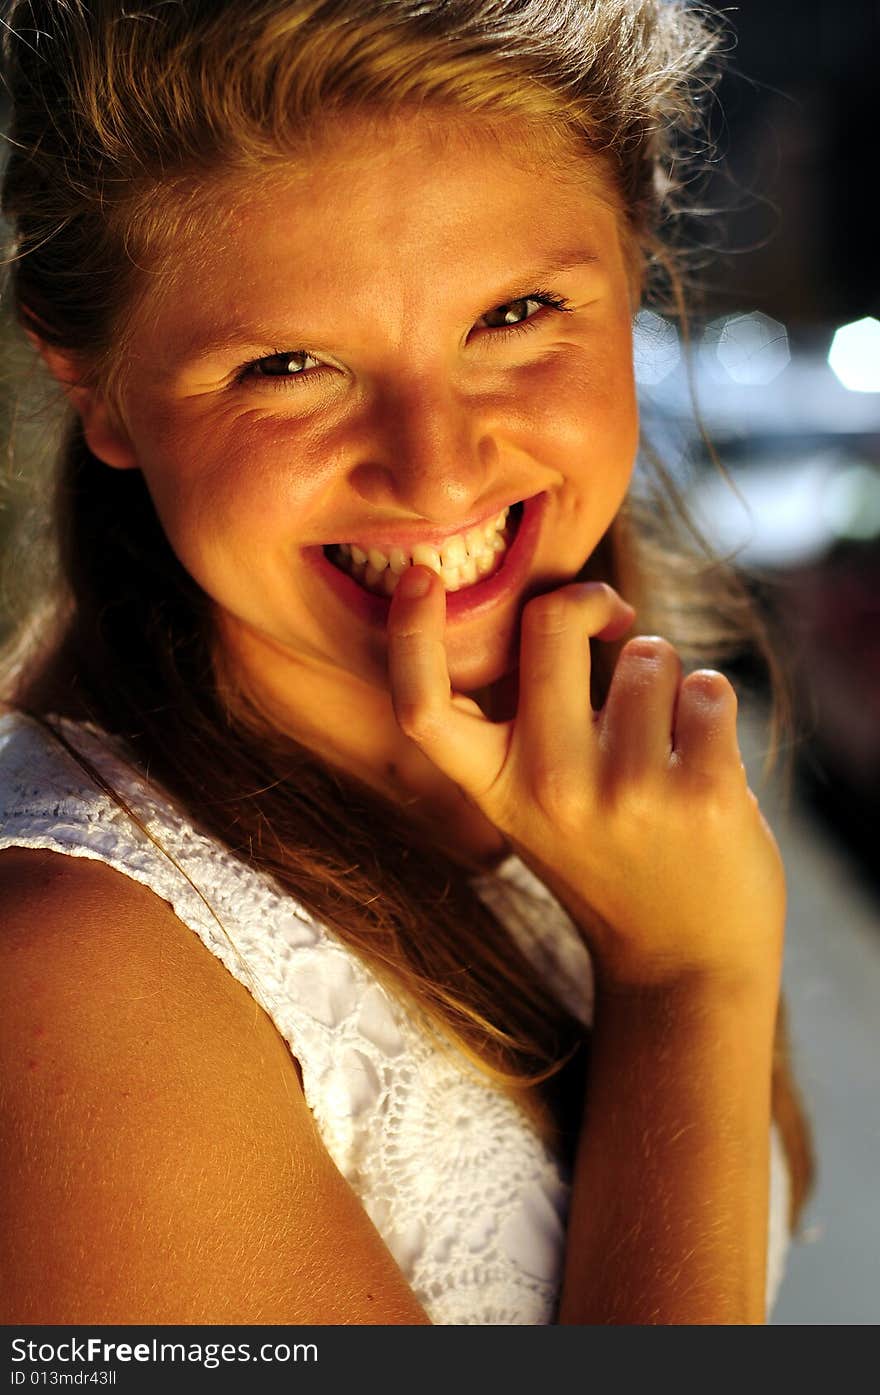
<point x="785" y="359"/>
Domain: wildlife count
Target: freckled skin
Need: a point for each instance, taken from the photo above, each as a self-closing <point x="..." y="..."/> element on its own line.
<point x="380" y="258"/>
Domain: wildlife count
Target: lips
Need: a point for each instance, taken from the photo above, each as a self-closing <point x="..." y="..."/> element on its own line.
<point x="525" y="522"/>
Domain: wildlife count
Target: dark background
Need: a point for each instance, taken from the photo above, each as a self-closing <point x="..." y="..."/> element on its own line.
<point x="799" y="134"/>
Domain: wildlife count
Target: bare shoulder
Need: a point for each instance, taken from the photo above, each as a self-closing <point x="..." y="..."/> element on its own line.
<point x="80" y="939"/>
<point x="85" y="930"/>
<point x="162" y="1163"/>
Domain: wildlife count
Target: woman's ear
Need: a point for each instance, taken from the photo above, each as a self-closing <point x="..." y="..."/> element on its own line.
<point x="105" y="435"/>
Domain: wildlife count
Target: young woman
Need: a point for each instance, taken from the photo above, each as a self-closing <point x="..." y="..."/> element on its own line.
<point x="350" y="667"/>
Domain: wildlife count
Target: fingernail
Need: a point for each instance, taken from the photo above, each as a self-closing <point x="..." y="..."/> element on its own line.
<point x="413" y="583"/>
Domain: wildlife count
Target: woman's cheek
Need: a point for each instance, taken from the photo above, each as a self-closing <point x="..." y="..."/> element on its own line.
<point x="229" y="477"/>
<point x="577" y="412"/>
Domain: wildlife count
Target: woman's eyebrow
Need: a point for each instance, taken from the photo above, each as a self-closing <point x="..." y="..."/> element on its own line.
<point x="256" y="336"/>
<point x="530" y="281"/>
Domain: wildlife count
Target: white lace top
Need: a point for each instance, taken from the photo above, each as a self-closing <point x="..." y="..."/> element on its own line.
<point x="468" y="1200"/>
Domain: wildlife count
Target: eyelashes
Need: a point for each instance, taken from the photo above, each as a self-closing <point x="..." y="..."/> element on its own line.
<point x="255" y="375"/>
<point x="547" y="299"/>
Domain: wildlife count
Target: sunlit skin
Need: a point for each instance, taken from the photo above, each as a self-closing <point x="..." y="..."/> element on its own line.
<point x="379" y="257"/>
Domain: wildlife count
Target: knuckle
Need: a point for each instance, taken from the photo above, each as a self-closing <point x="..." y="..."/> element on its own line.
<point x="635" y="799"/>
<point x="715" y="792"/>
<point x="421" y="721"/>
<point x="547" y="615"/>
<point x="560" y="795"/>
<point x="710" y="686"/>
<point x="712" y="794"/>
<point x="644" y="663"/>
<point x="653" y="648"/>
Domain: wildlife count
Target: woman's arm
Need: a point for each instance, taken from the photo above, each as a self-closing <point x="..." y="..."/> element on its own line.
<point x="668" y="1218"/>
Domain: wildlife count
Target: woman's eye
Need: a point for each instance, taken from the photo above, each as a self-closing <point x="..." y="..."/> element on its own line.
<point x="513" y="313"/>
<point x="525" y="312"/>
<point x="281" y="365"/>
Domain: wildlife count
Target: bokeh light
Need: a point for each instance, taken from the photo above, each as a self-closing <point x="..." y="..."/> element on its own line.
<point x="750" y="349"/>
<point x="656" y="348"/>
<point x="854" y="356"/>
<point x="851" y="503"/>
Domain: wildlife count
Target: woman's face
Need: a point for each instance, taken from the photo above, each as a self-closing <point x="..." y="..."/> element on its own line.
<point x="387" y="346"/>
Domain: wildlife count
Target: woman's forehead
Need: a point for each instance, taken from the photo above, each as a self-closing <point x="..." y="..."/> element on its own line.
<point x="366" y="185"/>
<point x="345" y="151"/>
<point x="402" y="211"/>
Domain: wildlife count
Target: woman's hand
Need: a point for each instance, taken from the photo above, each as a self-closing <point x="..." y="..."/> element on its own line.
<point x="639" y="817"/>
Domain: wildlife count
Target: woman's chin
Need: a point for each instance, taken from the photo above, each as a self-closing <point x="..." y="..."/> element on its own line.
<point x="476" y="661"/>
<point x="474" y="669"/>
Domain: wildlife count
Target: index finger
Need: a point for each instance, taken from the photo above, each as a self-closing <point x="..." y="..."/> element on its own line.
<point x="465" y="745"/>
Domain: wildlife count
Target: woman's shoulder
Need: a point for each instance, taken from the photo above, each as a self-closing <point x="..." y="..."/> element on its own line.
<point x="75" y="924"/>
<point x="69" y="787"/>
<point x="78" y="936"/>
<point x="149" y="1095"/>
<point x="154" y="875"/>
<point x="89" y="956"/>
<point x="156" y="1119"/>
<point x="97" y="856"/>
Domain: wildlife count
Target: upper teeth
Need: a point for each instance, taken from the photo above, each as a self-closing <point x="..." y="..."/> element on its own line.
<point x="452" y="552"/>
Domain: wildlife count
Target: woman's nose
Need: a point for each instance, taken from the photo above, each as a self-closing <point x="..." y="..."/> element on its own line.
<point x="429" y="450"/>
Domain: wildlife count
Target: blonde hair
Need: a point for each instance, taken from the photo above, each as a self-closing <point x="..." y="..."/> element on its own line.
<point x="119" y="122"/>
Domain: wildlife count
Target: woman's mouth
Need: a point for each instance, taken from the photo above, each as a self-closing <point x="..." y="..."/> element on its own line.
<point x="496" y="564"/>
<point x="460" y="561"/>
